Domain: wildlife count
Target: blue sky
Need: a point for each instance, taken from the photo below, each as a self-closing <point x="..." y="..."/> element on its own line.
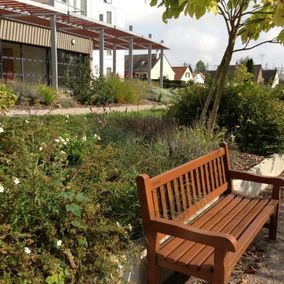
<point x="190" y="40"/>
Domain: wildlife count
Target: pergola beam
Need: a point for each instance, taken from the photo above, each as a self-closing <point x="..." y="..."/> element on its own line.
<point x="102" y="49"/>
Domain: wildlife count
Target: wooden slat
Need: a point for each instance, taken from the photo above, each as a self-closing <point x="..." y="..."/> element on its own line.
<point x="188" y="189"/>
<point x="223" y="168"/>
<point x="213" y="183"/>
<point x="168" y="187"/>
<point x="193" y="187"/>
<point x="220" y="173"/>
<point x="178" y="171"/>
<point x="163" y="202"/>
<point x="156" y="203"/>
<point x="214" y="224"/>
<point x="215" y="171"/>
<point x="172" y="243"/>
<point x="207" y="178"/>
<point x="177" y="196"/>
<point x="239" y="228"/>
<point x="183" y="192"/>
<point x="198" y="185"/>
<point x="235" y="218"/>
<point x="203" y="184"/>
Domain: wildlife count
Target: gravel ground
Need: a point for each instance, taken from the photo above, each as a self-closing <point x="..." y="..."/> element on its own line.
<point x="263" y="262"/>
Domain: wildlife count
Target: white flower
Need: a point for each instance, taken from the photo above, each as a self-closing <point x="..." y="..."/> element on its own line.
<point x="40" y="148"/>
<point x="97" y="137"/>
<point x="26" y="121"/>
<point x="63" y="153"/>
<point x="1" y="188"/>
<point x="118" y="225"/>
<point x="16" y="181"/>
<point x="59" y="243"/>
<point x="67" y="116"/>
<point x="27" y="250"/>
<point x="129" y="227"/>
<point x="1" y="130"/>
<point x="57" y="140"/>
<point x="84" y="138"/>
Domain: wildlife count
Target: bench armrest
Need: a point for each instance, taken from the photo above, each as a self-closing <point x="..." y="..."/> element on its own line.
<point x="277" y="182"/>
<point x="217" y="240"/>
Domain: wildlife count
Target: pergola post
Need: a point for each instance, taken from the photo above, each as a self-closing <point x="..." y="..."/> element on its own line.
<point x="54" y="58"/>
<point x="114" y="60"/>
<point x="21" y="63"/>
<point x="130" y="75"/>
<point x="1" y="60"/>
<point x="102" y="49"/>
<point x="149" y="63"/>
<point x="162" y="68"/>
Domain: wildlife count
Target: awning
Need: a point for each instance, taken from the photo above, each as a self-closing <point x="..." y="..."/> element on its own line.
<point x="38" y="14"/>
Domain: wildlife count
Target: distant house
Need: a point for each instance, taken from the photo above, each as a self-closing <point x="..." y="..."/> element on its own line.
<point x="271" y="77"/>
<point x="183" y="73"/>
<point x="199" y="78"/>
<point x="140" y="67"/>
<point x="256" y="71"/>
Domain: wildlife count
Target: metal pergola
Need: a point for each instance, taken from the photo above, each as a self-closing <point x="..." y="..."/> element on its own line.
<point x="103" y="36"/>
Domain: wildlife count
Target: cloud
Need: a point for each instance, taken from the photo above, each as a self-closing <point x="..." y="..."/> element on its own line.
<point x="190" y="40"/>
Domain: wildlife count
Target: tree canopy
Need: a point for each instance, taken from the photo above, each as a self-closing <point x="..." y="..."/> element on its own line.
<point x="244" y="19"/>
<point x="200" y="67"/>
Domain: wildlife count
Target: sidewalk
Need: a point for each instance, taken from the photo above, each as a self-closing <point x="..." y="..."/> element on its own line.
<point x="82" y="110"/>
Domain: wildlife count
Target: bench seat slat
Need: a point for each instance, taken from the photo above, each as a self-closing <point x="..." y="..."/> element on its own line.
<point x="234" y="215"/>
<point x="172" y="244"/>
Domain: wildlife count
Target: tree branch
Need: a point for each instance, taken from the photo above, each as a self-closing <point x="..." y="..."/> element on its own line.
<point x="274" y="40"/>
<point x="223" y="13"/>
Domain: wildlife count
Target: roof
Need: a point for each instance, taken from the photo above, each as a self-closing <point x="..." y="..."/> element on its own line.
<point x="232" y="68"/>
<point x="269" y="75"/>
<point x="140" y="62"/>
<point x="179" y="72"/>
<point x="39" y="14"/>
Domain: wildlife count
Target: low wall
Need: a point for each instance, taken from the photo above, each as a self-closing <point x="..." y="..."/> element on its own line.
<point x="273" y="166"/>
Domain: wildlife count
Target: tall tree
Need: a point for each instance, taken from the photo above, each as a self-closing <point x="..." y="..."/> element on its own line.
<point x="245" y="19"/>
<point x="200" y="67"/>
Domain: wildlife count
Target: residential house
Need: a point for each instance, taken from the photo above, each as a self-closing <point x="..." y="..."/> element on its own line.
<point x="183" y="73"/>
<point x="271" y="77"/>
<point x="140" y="67"/>
<point x="199" y="78"/>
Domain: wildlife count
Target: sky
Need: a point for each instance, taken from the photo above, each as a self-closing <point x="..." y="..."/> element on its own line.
<point x="190" y="40"/>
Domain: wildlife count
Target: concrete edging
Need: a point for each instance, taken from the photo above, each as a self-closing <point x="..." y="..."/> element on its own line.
<point x="273" y="166"/>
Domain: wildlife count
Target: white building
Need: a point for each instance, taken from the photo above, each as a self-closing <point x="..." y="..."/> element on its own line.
<point x="42" y="41"/>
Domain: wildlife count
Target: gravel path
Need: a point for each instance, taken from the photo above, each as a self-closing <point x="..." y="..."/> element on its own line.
<point x="82" y="110"/>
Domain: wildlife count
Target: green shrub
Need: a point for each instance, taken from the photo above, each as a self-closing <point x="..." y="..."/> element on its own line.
<point x="68" y="196"/>
<point x="187" y="104"/>
<point x="7" y="97"/>
<point x="163" y="96"/>
<point x="48" y="95"/>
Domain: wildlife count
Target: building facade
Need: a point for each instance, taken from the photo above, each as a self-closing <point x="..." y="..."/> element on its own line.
<point x="41" y="41"/>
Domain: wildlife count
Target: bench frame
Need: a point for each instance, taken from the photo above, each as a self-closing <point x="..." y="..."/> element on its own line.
<point x="156" y="228"/>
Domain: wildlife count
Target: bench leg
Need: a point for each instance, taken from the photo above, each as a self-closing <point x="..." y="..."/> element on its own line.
<point x="273" y="225"/>
<point x="220" y="267"/>
<point x="153" y="270"/>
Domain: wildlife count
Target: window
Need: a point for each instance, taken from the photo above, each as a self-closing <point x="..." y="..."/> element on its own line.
<point x="84" y="7"/>
<point x="109" y="52"/>
<point x="109" y="17"/>
<point x="187" y="75"/>
<point x="108" y="71"/>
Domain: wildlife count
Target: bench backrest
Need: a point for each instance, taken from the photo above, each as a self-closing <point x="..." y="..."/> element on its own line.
<point x="179" y="193"/>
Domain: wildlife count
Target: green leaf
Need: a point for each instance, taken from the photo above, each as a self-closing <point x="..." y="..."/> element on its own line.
<point x="80" y="197"/>
<point x="73" y="208"/>
<point x="78" y="224"/>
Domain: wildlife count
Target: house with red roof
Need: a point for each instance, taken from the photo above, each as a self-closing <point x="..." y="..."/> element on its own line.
<point x="183" y="73"/>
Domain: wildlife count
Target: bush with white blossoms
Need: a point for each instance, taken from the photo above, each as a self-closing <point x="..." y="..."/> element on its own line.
<point x="69" y="205"/>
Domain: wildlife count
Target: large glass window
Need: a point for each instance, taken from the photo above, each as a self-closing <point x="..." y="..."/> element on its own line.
<point x="11" y="61"/>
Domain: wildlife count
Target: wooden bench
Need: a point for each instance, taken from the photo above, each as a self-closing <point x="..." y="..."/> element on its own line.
<point x="209" y="245"/>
